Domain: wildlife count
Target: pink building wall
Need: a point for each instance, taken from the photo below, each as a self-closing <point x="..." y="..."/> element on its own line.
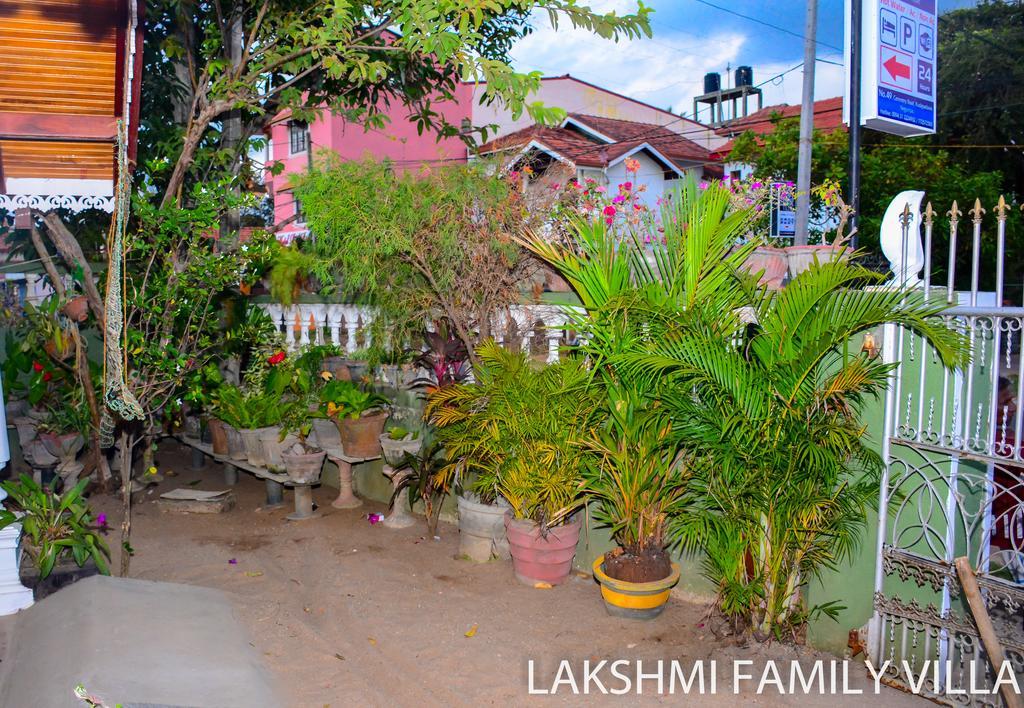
<point x="397" y="141"/>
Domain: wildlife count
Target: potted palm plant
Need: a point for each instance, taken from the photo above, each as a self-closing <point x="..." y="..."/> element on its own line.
<point x="359" y="414"/>
<point x="513" y="430"/>
<point x="762" y="389"/>
<point x="636" y="475"/>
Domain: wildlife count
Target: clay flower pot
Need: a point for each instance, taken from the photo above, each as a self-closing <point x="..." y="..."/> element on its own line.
<point x="273" y="446"/>
<point x="394" y="451"/>
<point x="326" y="431"/>
<point x="634" y="600"/>
<point x="541" y="559"/>
<point x="236" y="446"/>
<point x="77" y="308"/>
<point x="303" y="467"/>
<point x="253" y="441"/>
<point x="360" y="437"/>
<point x="771" y="263"/>
<point x="482" y="531"/>
<point x="218" y="436"/>
<point x="801" y="257"/>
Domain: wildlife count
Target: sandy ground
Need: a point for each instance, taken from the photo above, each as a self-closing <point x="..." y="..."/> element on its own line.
<point x="344" y="612"/>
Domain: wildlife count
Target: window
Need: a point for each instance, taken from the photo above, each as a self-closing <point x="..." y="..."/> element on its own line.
<point x="298" y="136"/>
<point x="300" y="216"/>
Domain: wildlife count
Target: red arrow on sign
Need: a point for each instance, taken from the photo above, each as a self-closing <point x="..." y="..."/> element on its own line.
<point x="896" y="69"/>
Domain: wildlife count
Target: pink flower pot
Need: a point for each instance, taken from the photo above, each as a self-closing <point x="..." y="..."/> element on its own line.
<point x="546" y="559"/>
<point x="770" y="264"/>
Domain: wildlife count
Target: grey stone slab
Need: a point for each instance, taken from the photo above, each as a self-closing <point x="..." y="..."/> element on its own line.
<point x="133" y="642"/>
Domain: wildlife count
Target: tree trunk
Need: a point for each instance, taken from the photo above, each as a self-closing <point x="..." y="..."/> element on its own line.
<point x="127" y="449"/>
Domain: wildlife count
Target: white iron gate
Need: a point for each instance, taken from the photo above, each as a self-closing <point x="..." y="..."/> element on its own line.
<point x="953" y="485"/>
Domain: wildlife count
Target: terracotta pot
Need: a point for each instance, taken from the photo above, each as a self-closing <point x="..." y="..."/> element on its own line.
<point x="236" y="446"/>
<point x="77" y="308"/>
<point x="541" y="559"/>
<point x="273" y="446"/>
<point x="394" y="451"/>
<point x="303" y="468"/>
<point x="218" y="436"/>
<point x="361" y="437"/>
<point x="338" y="368"/>
<point x="253" y="441"/>
<point x="801" y="257"/>
<point x="634" y="600"/>
<point x="482" y="531"/>
<point x="771" y="263"/>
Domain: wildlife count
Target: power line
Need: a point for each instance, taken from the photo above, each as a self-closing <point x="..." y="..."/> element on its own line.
<point x="766" y="24"/>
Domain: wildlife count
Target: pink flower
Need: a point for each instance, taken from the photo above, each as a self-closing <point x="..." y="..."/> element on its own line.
<point x="627" y="186"/>
<point x="601" y="190"/>
<point x="618" y="199"/>
<point x="703" y="185"/>
<point x="609" y="210"/>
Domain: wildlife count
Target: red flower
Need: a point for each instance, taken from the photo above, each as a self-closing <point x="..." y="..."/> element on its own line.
<point x="609" y="210"/>
<point x="275" y="359"/>
<point x="37" y="367"/>
<point x="47" y="376"/>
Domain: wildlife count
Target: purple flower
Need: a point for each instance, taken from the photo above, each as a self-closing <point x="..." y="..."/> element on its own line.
<point x="101" y="521"/>
<point x="232" y="561"/>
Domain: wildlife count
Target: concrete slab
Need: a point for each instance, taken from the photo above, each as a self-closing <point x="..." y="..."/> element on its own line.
<point x="133" y="642"/>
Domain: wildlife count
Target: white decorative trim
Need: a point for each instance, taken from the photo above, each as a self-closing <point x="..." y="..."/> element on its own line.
<point x="49" y="202"/>
<point x="588" y="130"/>
<point x="59" y="186"/>
<point x="648" y="148"/>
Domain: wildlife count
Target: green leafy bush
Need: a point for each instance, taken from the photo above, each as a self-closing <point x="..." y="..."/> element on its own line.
<point x="55" y="525"/>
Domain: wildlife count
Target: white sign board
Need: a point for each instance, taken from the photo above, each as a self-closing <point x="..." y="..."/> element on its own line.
<point x="898" y="52"/>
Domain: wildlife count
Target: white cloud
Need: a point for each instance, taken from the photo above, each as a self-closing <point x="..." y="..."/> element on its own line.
<point x="665" y="71"/>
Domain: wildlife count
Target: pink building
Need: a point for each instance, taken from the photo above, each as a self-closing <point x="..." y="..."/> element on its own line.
<point x="296" y="146"/>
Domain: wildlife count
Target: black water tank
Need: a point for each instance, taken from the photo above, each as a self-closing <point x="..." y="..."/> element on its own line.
<point x="712" y="82"/>
<point x="744" y="76"/>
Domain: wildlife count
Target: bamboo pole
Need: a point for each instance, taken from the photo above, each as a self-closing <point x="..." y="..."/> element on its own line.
<point x="985" y="629"/>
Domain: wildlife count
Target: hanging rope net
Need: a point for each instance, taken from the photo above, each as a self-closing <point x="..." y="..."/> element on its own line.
<point x="118" y="399"/>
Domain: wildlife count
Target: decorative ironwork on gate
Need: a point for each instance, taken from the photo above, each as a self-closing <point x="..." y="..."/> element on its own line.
<point x="953" y="483"/>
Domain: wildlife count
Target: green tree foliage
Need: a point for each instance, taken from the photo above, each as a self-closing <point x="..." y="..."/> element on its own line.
<point x="261" y="57"/>
<point x="981" y="87"/>
<point x="424" y="245"/>
<point x="890" y="165"/>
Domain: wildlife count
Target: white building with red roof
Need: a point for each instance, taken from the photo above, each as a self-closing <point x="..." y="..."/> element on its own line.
<point x="597" y="147"/>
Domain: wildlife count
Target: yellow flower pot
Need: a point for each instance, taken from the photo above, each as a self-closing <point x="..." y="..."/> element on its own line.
<point x="634" y="600"/>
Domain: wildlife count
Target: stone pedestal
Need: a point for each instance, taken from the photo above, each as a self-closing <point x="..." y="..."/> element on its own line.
<point x="275" y="494"/>
<point x="13" y="595"/>
<point x="346" y="491"/>
<point x="400" y="516"/>
<point x="303" y="503"/>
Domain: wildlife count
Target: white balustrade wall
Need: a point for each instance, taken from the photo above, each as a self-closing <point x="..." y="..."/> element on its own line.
<point x="540" y="329"/>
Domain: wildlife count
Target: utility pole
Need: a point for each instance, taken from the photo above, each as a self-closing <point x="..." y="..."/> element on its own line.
<point x="803" y="170"/>
<point x="853" y="197"/>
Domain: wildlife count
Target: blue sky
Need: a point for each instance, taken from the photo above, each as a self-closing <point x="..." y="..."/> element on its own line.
<point x="692" y="38"/>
